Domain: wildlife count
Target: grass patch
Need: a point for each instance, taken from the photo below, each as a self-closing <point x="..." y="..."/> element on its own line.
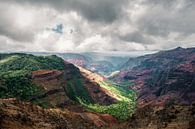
<point x="121" y="110"/>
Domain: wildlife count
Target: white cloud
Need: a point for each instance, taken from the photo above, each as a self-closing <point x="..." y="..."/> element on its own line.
<point x="139" y="25"/>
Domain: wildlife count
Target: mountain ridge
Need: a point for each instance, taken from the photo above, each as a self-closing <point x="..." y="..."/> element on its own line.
<point x="52" y="83"/>
<point x="154" y="72"/>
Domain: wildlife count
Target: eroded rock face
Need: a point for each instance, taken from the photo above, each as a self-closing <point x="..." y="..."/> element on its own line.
<point x="165" y="83"/>
<point x="57" y="86"/>
<point x="15" y="114"/>
<point x="162" y="77"/>
<point x="176" y="84"/>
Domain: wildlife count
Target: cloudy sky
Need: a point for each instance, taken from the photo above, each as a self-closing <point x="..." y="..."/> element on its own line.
<point x="96" y="25"/>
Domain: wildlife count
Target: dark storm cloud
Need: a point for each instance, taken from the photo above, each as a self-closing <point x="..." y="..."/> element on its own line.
<point x="94" y="10"/>
<point x="166" y="16"/>
<point x="8" y="27"/>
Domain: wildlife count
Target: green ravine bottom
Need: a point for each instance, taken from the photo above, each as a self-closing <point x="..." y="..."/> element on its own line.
<point x="121" y="110"/>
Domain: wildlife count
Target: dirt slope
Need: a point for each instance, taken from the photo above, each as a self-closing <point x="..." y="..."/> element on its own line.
<point x="15" y="114"/>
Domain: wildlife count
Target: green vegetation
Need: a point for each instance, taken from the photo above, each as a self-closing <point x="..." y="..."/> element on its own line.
<point x="123" y="109"/>
<point x="17" y="84"/>
<point x="16" y="81"/>
<point x="15" y="74"/>
<point x="75" y="89"/>
<point x="30" y="62"/>
<point x="121" y="94"/>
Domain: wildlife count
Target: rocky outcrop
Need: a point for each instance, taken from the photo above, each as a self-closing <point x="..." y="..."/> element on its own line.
<point x="168" y="117"/>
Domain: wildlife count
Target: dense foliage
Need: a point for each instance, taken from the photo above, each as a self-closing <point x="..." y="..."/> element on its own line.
<point x="30" y="62"/>
<point x="17" y="84"/>
<point x="75" y="90"/>
<point x="15" y="74"/>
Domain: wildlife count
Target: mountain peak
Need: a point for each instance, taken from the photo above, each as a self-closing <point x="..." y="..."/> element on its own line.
<point x="179" y="48"/>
